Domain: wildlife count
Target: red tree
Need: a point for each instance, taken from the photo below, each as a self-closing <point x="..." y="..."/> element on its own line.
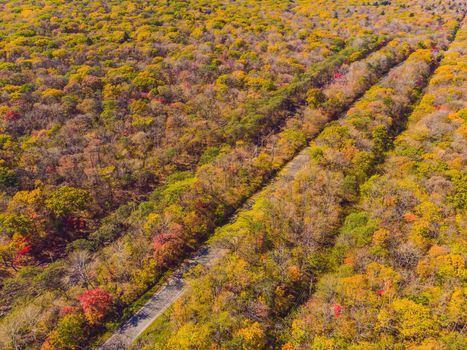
<point x="11" y="115"/>
<point x="168" y="245"/>
<point x="96" y="304"/>
<point x="67" y="310"/>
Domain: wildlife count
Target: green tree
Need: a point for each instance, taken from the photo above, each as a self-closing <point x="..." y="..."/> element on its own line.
<point x="66" y="200"/>
<point x="70" y="333"/>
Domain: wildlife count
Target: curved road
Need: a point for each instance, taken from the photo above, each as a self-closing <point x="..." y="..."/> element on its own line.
<point x="175" y="286"/>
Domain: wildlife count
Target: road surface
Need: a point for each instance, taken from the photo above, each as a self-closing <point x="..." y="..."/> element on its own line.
<point x="206" y="255"/>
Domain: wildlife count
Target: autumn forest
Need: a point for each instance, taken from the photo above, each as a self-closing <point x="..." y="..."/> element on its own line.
<point x="258" y="174"/>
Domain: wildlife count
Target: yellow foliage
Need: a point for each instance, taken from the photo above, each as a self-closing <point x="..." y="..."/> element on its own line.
<point x="323" y="343"/>
<point x="253" y="337"/>
<point x="450" y="265"/>
<point x="413" y="321"/>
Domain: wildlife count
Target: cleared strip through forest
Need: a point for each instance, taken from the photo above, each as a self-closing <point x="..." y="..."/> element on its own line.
<point x="175" y="285"/>
<point x="393" y="100"/>
<point x="195" y="202"/>
<point x="398" y="128"/>
<point x="202" y="205"/>
<point x="391" y="250"/>
<point x="279" y="104"/>
<point x="171" y="290"/>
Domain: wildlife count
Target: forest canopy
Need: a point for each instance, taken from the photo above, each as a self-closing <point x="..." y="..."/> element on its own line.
<point x="132" y="131"/>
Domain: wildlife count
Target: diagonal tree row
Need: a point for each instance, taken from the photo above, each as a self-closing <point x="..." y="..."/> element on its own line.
<point x="87" y="133"/>
<point x="279" y="248"/>
<point x="94" y="131"/>
<point x="398" y="267"/>
<point x="182" y="213"/>
<point x="49" y="208"/>
<point x="77" y="271"/>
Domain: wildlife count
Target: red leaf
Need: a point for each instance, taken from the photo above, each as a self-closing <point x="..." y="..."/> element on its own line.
<point x="337" y="309"/>
<point x="24" y="251"/>
<point x="11" y="115"/>
<point x="66" y="310"/>
<point x="96" y="304"/>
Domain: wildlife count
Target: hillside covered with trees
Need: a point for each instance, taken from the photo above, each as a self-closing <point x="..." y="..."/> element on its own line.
<point x="132" y="131"/>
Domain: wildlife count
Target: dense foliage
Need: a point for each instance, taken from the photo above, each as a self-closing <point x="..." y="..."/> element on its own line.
<point x="131" y="130"/>
<point x="400" y="274"/>
<point x="281" y="250"/>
